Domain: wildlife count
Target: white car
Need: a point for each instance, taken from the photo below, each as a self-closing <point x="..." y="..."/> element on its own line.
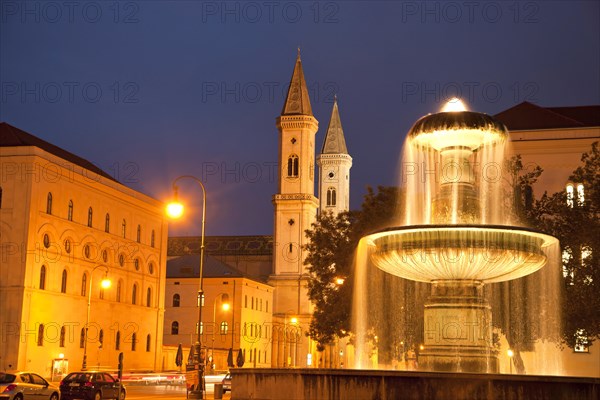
<point x="25" y="386"/>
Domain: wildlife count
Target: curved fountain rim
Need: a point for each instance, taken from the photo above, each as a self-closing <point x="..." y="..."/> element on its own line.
<point x="548" y="239"/>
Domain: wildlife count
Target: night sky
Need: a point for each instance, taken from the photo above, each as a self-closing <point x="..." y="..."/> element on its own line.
<point x="149" y="90"/>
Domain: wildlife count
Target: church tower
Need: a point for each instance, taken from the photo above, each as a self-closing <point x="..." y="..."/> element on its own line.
<point x="334" y="167"/>
<point x="295" y="207"/>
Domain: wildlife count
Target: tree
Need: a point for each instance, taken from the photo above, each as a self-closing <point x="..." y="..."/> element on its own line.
<point x="332" y="241"/>
<point x="575" y="221"/>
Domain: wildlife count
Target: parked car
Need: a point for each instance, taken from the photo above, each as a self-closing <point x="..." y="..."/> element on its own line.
<point x="91" y="385"/>
<point x="227" y="383"/>
<point x="25" y="386"/>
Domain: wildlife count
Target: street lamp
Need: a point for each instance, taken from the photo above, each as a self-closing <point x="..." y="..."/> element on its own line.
<point x="510" y="354"/>
<point x="175" y="210"/>
<point x="105" y="284"/>
<point x="224" y="306"/>
<point x="286" y="358"/>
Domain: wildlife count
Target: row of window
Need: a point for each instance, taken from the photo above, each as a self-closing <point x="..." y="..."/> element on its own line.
<point x="106" y="221"/>
<point x="255" y="355"/>
<point x="578" y="200"/>
<point x="84" y="287"/>
<point x="87" y="253"/>
<point x="100" y="339"/>
<point x="256" y="305"/>
<point x="223" y="328"/>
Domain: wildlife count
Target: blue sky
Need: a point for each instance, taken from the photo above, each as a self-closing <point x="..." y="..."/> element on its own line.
<point x="149" y="90"/>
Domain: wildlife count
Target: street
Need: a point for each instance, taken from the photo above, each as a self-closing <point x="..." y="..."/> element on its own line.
<point x="164" y="392"/>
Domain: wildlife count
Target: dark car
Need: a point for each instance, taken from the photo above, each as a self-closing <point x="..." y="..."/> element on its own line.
<point x="90" y="385"/>
<point x="24" y="386"/>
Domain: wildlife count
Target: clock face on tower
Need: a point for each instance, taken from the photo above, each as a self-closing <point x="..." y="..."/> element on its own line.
<point x="331" y="174"/>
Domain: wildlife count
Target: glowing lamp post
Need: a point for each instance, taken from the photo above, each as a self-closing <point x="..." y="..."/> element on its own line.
<point x="105" y="284"/>
<point x="225" y="307"/>
<point x="175" y="210"/>
<point x="510" y="354"/>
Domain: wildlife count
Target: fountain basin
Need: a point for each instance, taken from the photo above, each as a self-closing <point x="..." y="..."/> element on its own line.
<point x="485" y="253"/>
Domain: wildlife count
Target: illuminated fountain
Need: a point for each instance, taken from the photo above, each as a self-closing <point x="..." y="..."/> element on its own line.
<point x="456" y="235"/>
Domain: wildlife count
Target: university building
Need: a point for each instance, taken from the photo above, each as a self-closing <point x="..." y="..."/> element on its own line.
<point x="65" y="225"/>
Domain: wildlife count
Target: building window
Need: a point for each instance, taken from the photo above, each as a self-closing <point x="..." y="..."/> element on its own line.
<point x="123" y="228"/>
<point x="149" y="297"/>
<point x="201" y="328"/>
<point x="46" y="240"/>
<point x="49" y="203"/>
<point x="134" y="294"/>
<point x="84" y="284"/>
<point x="245" y="301"/>
<point x="119" y="287"/>
<point x="87" y="251"/>
<point x="570" y="195"/>
<point x="43" y="277"/>
<point x="139" y="234"/>
<point x="70" y="212"/>
<point x="148" y="339"/>
<point x="152" y="239"/>
<point x="101" y="339"/>
<point x="68" y="246"/>
<point x="82" y="338"/>
<point x="118" y="341"/>
<point x="580" y="195"/>
<point x="292" y="167"/>
<point x="581" y="342"/>
<point x="107" y="223"/>
<point x="40" y="338"/>
<point x="61" y="341"/>
<point x="63" y="282"/>
<point x="331" y="197"/>
<point x="267" y="306"/>
<point x="175" y="328"/>
<point x="150" y="268"/>
<point x="176" y="300"/>
<point x="133" y="341"/>
<point x="121" y="259"/>
<point x="0" y="196"/>
<point x="90" y="216"/>
<point x="224" y="328"/>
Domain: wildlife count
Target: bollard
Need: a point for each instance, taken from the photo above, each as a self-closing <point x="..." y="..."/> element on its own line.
<point x="218" y="391"/>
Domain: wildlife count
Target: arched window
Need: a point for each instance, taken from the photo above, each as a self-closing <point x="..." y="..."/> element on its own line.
<point x="570" y="195"/>
<point x="90" y="216"/>
<point x="224" y="328"/>
<point x="133" y="341"/>
<point x="149" y="297"/>
<point x="70" y="212"/>
<point x="148" y="340"/>
<point x="134" y="294"/>
<point x="0" y="196"/>
<point x="43" y="277"/>
<point x="118" y="341"/>
<point x="107" y="223"/>
<point x="175" y="328"/>
<point x="63" y="282"/>
<point x="139" y="234"/>
<point x="176" y="300"/>
<point x="331" y="197"/>
<point x="84" y="284"/>
<point x="82" y="338"/>
<point x="101" y="339"/>
<point x="292" y="167"/>
<point x="152" y="239"/>
<point x="580" y="195"/>
<point x="40" y="338"/>
<point x="61" y="341"/>
<point x="119" y="287"/>
<point x="49" y="203"/>
<point x="123" y="228"/>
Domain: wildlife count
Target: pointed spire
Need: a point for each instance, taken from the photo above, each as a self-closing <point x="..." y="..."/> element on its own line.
<point x="334" y="143"/>
<point x="297" y="101"/>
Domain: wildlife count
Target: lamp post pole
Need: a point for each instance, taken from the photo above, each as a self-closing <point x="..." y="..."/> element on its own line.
<point x="198" y="356"/>
<point x="87" y="319"/>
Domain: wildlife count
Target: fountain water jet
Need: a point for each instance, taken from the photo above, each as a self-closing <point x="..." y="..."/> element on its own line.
<point x="456" y="235"/>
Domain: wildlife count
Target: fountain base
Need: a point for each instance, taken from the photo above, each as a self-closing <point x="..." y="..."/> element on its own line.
<point x="458" y="329"/>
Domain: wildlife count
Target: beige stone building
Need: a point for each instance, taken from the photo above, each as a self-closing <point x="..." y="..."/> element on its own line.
<point x="64" y="226"/>
<point x="246" y="324"/>
<point x="554" y="138"/>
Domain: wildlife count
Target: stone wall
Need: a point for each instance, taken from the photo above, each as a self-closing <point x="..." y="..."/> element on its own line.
<point x="310" y="384"/>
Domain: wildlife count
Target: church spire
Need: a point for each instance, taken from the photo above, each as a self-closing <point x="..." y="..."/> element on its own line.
<point x="334" y="143"/>
<point x="297" y="101"/>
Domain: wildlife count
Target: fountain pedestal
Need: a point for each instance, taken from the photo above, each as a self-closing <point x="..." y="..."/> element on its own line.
<point x="458" y="329"/>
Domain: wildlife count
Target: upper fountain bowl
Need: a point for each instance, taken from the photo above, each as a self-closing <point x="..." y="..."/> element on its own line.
<point x="457" y="129"/>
